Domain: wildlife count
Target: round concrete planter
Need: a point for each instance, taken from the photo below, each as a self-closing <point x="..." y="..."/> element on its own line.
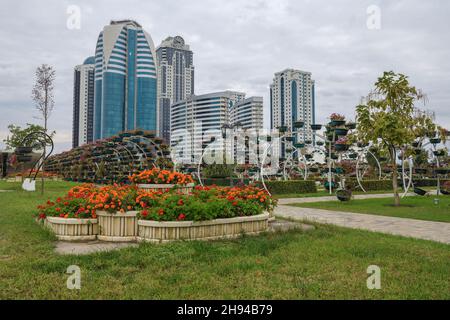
<point x="186" y="188"/>
<point x="117" y="227"/>
<point x="157" y="231"/>
<point x="73" y="229"/>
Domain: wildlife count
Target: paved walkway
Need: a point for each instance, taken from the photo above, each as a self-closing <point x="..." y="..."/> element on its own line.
<point x="333" y="198"/>
<point x="427" y="230"/>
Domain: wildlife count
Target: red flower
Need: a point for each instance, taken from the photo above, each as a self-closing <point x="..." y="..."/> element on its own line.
<point x="144" y="213"/>
<point x="180" y="202"/>
<point x="181" y="216"/>
<point x="160" y="212"/>
<point x="58" y="200"/>
<point x="58" y="209"/>
<point x="235" y="203"/>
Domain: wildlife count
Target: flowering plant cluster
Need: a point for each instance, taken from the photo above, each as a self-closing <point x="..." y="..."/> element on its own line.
<point x="337" y="116"/>
<point x="75" y="204"/>
<point x="203" y="203"/>
<point x="342" y="140"/>
<point x="159" y="176"/>
<point x="206" y="203"/>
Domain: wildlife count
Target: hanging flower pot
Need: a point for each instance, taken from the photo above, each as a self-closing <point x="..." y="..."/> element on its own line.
<point x="308" y="141"/>
<point x="320" y="143"/>
<point x="341" y="132"/>
<point x="299" y="145"/>
<point x="341" y="147"/>
<point x="23" y="150"/>
<point x="316" y="127"/>
<point x="343" y="195"/>
<point x="314" y="169"/>
<point x="282" y="129"/>
<point x="435" y="140"/>
<point x="353" y="156"/>
<point x="299" y="124"/>
<point x="439" y="153"/>
<point x="351" y="125"/>
<point x="290" y="138"/>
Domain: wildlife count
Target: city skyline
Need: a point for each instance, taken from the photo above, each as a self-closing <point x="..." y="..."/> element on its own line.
<point x="344" y="56"/>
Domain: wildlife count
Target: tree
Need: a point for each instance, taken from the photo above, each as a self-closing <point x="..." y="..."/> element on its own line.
<point x="390" y="120"/>
<point x="42" y="95"/>
<point x="42" y="92"/>
<point x="17" y="134"/>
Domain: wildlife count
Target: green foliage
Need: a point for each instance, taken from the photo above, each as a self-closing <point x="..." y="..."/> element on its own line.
<point x="291" y="186"/>
<point x="17" y="134"/>
<point x="428" y="182"/>
<point x="219" y="171"/>
<point x="224" y="182"/>
<point x="370" y="185"/>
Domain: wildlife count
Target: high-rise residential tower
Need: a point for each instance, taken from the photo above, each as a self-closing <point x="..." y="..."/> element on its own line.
<point x="83" y="103"/>
<point x="125" y="80"/>
<point x="175" y="78"/>
<point x="248" y="113"/>
<point x="199" y="114"/>
<point x="292" y="99"/>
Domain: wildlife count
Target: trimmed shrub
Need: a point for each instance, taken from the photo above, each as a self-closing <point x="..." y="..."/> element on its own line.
<point x="291" y="186"/>
<point x="224" y="182"/>
<point x="428" y="182"/>
<point x="370" y="185"/>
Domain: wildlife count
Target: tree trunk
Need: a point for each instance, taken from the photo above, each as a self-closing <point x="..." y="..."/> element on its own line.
<point x="394" y="178"/>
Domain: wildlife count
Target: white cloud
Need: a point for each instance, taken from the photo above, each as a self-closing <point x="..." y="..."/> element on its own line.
<point x="237" y="45"/>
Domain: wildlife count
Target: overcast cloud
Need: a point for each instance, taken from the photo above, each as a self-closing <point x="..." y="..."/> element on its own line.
<point x="237" y="45"/>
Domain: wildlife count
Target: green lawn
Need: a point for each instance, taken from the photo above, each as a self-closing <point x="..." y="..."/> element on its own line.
<point x="327" y="263"/>
<point x="422" y="208"/>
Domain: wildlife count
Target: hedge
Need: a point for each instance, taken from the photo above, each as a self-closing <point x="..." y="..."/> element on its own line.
<point x="428" y="182"/>
<point x="369" y="185"/>
<point x="224" y="182"/>
<point x="291" y="186"/>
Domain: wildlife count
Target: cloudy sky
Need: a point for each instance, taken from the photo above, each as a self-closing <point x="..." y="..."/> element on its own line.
<point x="237" y="45"/>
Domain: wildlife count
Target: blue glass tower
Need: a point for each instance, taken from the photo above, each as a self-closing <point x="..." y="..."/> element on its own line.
<point x="125" y="80"/>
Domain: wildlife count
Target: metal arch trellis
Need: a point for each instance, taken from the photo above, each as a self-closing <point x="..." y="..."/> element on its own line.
<point x="44" y="139"/>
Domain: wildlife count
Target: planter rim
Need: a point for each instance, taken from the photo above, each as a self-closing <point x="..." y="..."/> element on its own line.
<point x="117" y="214"/>
<point x="60" y="220"/>
<point x="175" y="224"/>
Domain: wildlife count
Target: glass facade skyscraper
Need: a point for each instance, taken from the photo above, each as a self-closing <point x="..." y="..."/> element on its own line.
<point x="125" y="80"/>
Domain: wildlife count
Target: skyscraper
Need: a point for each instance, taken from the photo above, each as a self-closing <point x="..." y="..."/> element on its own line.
<point x="199" y="114"/>
<point x="175" y="78"/>
<point x="83" y="103"/>
<point x="292" y="99"/>
<point x="248" y="113"/>
<point x="125" y="80"/>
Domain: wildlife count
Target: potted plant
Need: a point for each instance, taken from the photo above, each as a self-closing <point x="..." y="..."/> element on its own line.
<point x="337" y="120"/>
<point x="71" y="218"/>
<point x="299" y="124"/>
<point x="160" y="180"/>
<point x="116" y="212"/>
<point x="341" y="144"/>
<point x="316" y="127"/>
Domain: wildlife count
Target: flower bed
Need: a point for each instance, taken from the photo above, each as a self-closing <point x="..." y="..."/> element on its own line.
<point x="69" y="229"/>
<point x="158" y="231"/>
<point x="117" y="227"/>
<point x="111" y="213"/>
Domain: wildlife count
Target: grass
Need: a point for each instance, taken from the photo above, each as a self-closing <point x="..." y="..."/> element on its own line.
<point x="421" y="208"/>
<point x="324" y="193"/>
<point x="327" y="263"/>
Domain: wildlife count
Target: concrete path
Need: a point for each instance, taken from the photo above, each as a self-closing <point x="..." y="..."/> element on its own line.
<point x="333" y="198"/>
<point x="427" y="230"/>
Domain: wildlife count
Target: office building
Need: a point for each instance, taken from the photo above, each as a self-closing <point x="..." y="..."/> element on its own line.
<point x="83" y="103"/>
<point x="175" y="78"/>
<point x="125" y="80"/>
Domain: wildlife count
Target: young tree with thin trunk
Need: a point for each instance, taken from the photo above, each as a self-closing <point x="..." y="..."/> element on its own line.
<point x="42" y="95"/>
<point x="390" y="120"/>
